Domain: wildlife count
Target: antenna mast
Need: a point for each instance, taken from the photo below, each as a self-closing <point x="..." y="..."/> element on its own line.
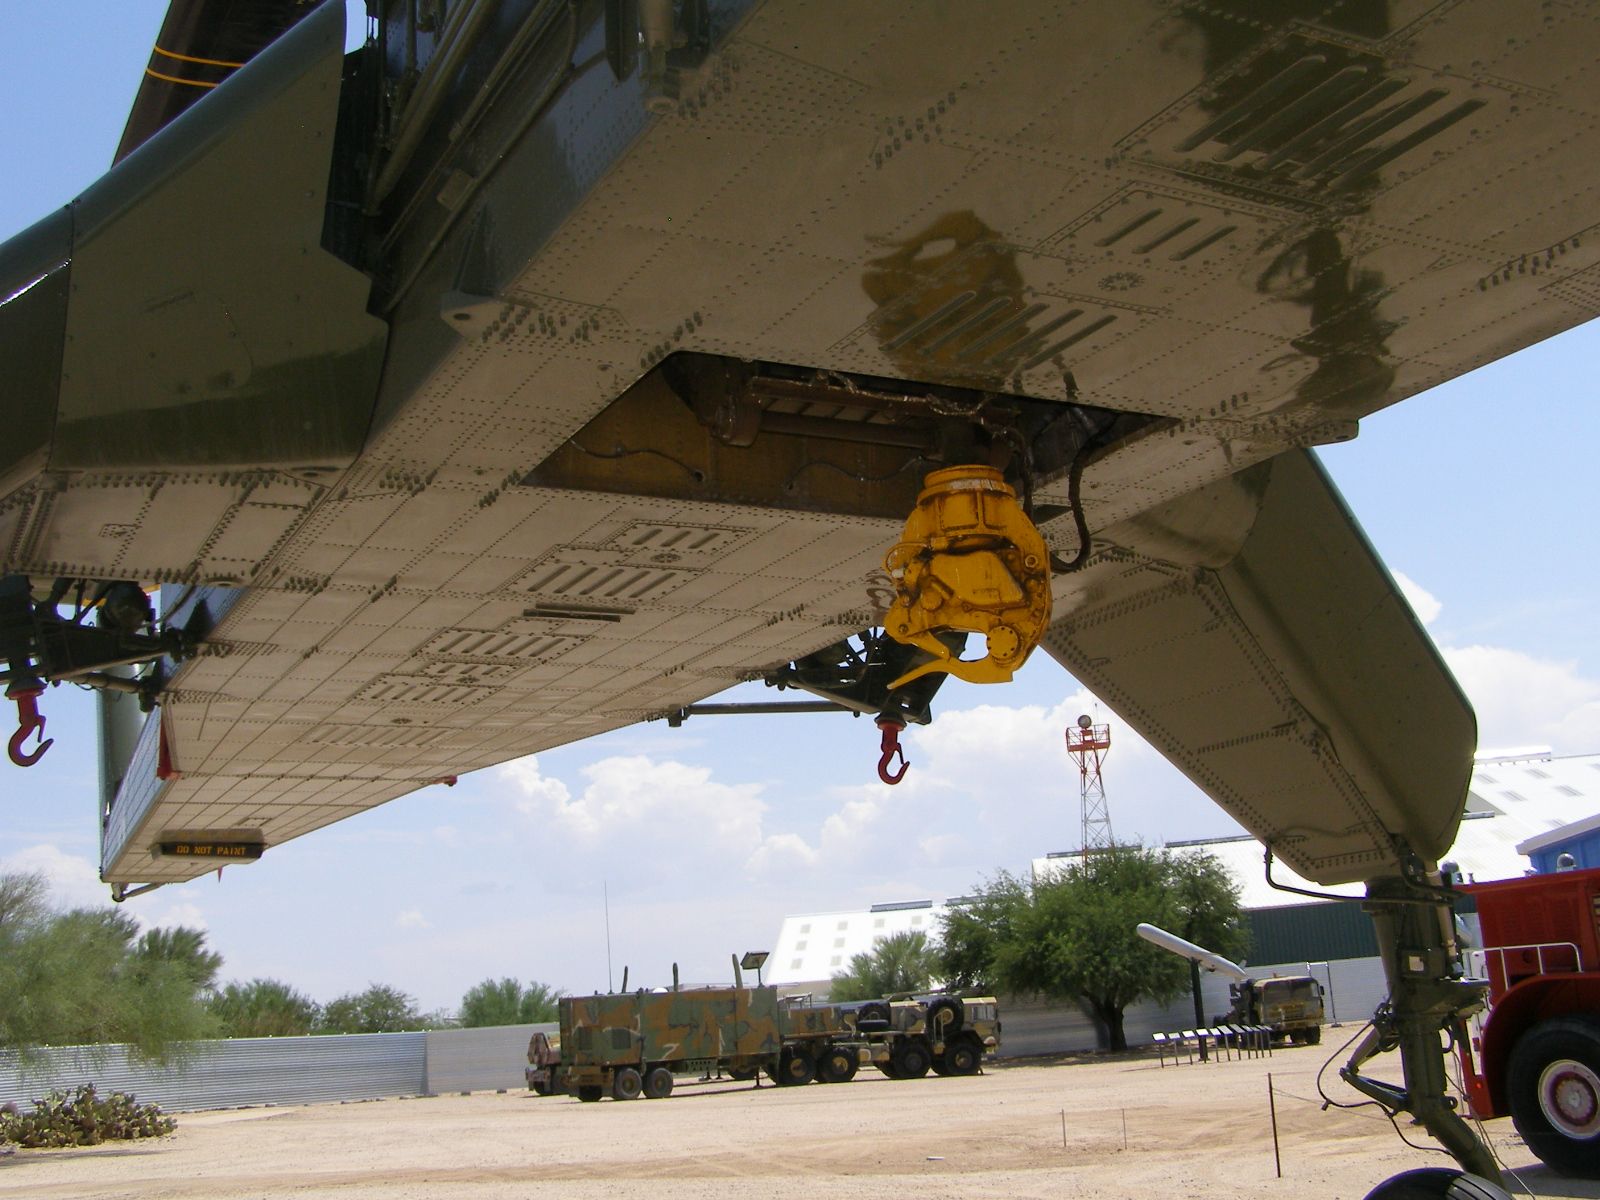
<point x="1088" y="744"/>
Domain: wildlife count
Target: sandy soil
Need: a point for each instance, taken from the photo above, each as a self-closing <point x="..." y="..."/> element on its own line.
<point x="1191" y="1131"/>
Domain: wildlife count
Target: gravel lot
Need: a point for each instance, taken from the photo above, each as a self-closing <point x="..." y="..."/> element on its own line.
<point x="1191" y="1131"/>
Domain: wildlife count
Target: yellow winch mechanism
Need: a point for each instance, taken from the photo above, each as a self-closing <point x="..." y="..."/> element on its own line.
<point x="969" y="561"/>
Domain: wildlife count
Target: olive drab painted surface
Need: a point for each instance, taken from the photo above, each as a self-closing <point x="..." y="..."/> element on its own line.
<point x="736" y="1032"/>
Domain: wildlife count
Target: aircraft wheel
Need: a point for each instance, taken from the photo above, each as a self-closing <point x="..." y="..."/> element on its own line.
<point x="963" y="1058"/>
<point x="911" y="1059"/>
<point x="590" y="1092"/>
<point x="1554" y="1087"/>
<point x="1436" y="1183"/>
<point x="658" y="1084"/>
<point x="626" y="1084"/>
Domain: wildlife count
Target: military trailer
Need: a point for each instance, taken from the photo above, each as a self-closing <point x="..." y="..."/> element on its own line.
<point x="632" y="1044"/>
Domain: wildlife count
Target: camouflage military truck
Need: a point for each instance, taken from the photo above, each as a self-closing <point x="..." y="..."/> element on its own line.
<point x="907" y="1036"/>
<point x="632" y="1044"/>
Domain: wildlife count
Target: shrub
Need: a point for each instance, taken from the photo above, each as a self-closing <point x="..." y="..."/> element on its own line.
<point x="82" y="1118"/>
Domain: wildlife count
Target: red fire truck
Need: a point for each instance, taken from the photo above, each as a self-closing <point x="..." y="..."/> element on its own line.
<point x="1538" y="1051"/>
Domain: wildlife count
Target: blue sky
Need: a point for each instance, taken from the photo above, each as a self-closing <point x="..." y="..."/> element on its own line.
<point x="1481" y="494"/>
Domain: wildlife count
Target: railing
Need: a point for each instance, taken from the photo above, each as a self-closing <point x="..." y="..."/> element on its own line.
<point x="1542" y="958"/>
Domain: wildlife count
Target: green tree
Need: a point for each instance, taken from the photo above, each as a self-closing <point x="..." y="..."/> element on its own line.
<point x="1072" y="937"/>
<point x="79" y="978"/>
<point x="379" y="1009"/>
<point x="263" y="1008"/>
<point x="185" y="949"/>
<point x="1205" y="910"/>
<point x="973" y="929"/>
<point x="508" y="1002"/>
<point x="902" y="962"/>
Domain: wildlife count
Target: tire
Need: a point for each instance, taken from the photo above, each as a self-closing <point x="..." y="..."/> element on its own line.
<point x="626" y="1084"/>
<point x="1435" y="1183"/>
<point x="940" y="1067"/>
<point x="911" y="1058"/>
<point x="963" y="1058"/>
<point x="1554" y="1089"/>
<point x="590" y="1092"/>
<point x="945" y="1015"/>
<point x="657" y="1083"/>
<point x="889" y="1069"/>
<point x="540" y="1089"/>
<point x="836" y="1065"/>
<point x="873" y="1012"/>
<point x="1313" y="1036"/>
<point x="795" y="1069"/>
<point x="743" y="1074"/>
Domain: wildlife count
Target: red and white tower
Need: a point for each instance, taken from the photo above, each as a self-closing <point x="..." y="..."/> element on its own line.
<point x="1089" y="743"/>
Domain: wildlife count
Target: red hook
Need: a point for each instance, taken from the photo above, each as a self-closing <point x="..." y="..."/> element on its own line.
<point x="891" y="727"/>
<point x="31" y="723"/>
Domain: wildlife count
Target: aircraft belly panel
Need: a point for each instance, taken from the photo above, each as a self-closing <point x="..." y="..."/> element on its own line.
<point x="1107" y="203"/>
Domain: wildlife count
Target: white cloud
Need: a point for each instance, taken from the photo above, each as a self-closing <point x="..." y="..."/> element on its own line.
<point x="74" y="881"/>
<point x="539" y="791"/>
<point x="1423" y="602"/>
<point x="412" y="918"/>
<point x="655" y="815"/>
<point x="1523" y="700"/>
<point x="172" y="915"/>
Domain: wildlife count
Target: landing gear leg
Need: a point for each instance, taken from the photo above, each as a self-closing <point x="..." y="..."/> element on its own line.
<point x="1427" y="995"/>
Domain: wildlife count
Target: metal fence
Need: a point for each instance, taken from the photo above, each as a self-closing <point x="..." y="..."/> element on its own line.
<point x="244" y="1072"/>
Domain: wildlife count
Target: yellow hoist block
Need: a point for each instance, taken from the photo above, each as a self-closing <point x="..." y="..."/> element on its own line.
<point x="969" y="561"/>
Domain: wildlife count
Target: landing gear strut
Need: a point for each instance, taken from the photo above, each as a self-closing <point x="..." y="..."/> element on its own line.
<point x="1427" y="996"/>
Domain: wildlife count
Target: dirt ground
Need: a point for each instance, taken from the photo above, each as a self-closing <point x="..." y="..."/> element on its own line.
<point x="1096" y="1128"/>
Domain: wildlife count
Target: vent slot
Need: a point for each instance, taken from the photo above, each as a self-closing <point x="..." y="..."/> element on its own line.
<point x="599" y="583"/>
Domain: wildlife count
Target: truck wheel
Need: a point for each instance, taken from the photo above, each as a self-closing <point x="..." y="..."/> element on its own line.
<point x="743" y="1074"/>
<point x="626" y="1084"/>
<point x="872" y="1016"/>
<point x="658" y="1084"/>
<point x="1554" y="1087"/>
<point x="911" y="1059"/>
<point x="889" y="1069"/>
<point x="963" y="1058"/>
<point x="795" y="1068"/>
<point x="1313" y="1036"/>
<point x="590" y="1092"/>
<point x="836" y="1065"/>
<point x="540" y="1088"/>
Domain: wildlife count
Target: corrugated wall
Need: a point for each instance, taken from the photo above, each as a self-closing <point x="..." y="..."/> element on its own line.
<point x="472" y="1060"/>
<point x="234" y="1073"/>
